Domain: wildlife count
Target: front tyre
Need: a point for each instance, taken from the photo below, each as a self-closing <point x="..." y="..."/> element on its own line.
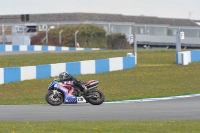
<point x="97" y="97"/>
<point x="54" y="100"/>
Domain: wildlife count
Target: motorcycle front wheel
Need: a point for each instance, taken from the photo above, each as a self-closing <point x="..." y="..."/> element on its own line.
<point x="96" y="97"/>
<point x="54" y="100"/>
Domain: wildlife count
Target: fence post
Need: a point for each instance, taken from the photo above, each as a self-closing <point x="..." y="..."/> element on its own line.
<point x="106" y="40"/>
<point x="60" y="37"/>
<point x="135" y="47"/>
<point x="3" y="33"/>
<point x="47" y="37"/>
<point x="178" y="42"/>
<point x="76" y="38"/>
<point x="2" y="28"/>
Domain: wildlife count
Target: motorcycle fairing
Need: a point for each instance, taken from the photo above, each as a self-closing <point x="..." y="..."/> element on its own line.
<point x="68" y="97"/>
<point x="67" y="90"/>
<point x="70" y="82"/>
<point x="87" y="83"/>
<point x="71" y="99"/>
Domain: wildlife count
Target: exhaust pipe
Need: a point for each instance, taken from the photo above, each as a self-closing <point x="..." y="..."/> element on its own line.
<point x="89" y="96"/>
<point x="94" y="87"/>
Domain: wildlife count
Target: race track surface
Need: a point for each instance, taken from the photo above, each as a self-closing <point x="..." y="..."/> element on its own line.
<point x="176" y="109"/>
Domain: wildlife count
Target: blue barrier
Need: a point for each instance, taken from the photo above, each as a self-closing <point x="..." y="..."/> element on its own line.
<point x="74" y="68"/>
<point x="195" y="56"/>
<point x="186" y="57"/>
<point x="7" y="48"/>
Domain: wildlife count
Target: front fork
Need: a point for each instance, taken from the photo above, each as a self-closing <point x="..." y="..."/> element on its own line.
<point x="55" y="93"/>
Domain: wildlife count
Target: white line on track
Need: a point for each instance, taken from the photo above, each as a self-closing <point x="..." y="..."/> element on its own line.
<point x="155" y="99"/>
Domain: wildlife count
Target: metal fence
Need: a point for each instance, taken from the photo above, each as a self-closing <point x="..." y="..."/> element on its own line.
<point x="150" y="33"/>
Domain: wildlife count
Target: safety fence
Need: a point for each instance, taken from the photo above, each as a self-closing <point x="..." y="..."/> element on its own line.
<point x="186" y="57"/>
<point x="16" y="74"/>
<point x="7" y="48"/>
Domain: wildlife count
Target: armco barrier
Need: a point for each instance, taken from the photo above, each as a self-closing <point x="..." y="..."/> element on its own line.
<point x="15" y="74"/>
<point x="187" y="57"/>
<point x="7" y="48"/>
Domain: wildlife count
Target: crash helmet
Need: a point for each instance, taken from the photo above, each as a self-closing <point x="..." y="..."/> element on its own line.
<point x="63" y="76"/>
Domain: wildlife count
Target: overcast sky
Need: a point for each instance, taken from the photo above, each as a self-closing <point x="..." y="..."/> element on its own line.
<point x="160" y="8"/>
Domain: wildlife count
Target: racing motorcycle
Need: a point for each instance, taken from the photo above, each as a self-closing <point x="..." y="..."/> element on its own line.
<point x="69" y="93"/>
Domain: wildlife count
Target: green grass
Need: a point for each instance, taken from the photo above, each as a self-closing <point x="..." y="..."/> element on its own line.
<point x="49" y="58"/>
<point x="156" y="75"/>
<point x="101" y="127"/>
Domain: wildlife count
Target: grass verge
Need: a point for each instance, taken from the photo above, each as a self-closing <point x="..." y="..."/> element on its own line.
<point x="144" y="57"/>
<point x="50" y="58"/>
<point x="101" y="127"/>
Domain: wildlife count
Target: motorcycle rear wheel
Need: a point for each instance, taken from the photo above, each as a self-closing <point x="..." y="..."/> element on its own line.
<point x="52" y="100"/>
<point x="97" y="97"/>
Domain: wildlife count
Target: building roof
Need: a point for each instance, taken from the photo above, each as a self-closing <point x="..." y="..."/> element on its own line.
<point x="59" y="17"/>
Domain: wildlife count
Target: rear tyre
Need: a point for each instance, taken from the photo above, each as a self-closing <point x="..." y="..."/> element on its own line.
<point x="97" y="97"/>
<point x="54" y="100"/>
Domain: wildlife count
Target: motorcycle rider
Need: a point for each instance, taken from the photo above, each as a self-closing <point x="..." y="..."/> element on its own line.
<point x="65" y="76"/>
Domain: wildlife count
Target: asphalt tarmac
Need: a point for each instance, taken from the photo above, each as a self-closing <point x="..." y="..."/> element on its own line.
<point x="175" y="109"/>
